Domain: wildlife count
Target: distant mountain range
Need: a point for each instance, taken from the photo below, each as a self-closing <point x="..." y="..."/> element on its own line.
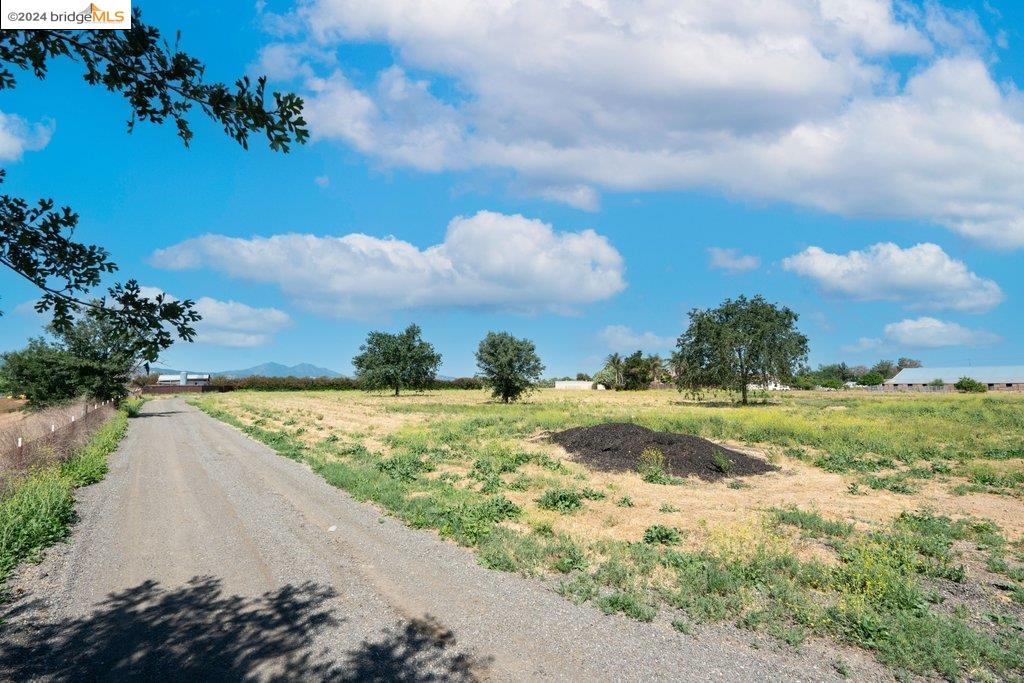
<point x="263" y="370"/>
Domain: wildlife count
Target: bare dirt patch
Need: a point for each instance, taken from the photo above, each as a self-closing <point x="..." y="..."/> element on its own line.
<point x="616" y="447"/>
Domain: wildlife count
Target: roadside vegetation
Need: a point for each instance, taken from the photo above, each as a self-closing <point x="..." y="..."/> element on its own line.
<point x="925" y="571"/>
<point x="36" y="510"/>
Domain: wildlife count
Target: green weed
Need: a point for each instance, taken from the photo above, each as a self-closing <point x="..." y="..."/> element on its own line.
<point x="561" y="500"/>
<point x="812" y="523"/>
<point x="662" y="535"/>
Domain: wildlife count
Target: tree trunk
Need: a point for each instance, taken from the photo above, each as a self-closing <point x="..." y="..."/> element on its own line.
<point x="744" y="393"/>
<point x="396" y="392"/>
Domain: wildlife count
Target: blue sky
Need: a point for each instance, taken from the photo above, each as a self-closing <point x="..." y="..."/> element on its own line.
<point x="864" y="170"/>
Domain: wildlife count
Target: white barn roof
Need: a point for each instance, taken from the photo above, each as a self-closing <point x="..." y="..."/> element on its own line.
<point x="986" y="374"/>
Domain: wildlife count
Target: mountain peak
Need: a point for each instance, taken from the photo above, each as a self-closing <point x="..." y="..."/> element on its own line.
<point x="271" y="369"/>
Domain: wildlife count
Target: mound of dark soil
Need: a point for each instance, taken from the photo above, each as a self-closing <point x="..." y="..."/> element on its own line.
<point x="616" y="447"/>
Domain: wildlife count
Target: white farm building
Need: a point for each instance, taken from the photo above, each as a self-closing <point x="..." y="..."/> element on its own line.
<point x="995" y="377"/>
<point x="183" y="379"/>
<point x="577" y="385"/>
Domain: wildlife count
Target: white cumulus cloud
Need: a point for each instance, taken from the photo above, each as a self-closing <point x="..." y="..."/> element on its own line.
<point x="625" y="339"/>
<point x="224" y="323"/>
<point x="791" y="100"/>
<point x="732" y="260"/>
<point x="18" y="136"/>
<point x="486" y="260"/>
<point x="920" y="277"/>
<point x="230" y="323"/>
<point x="862" y="344"/>
<point x="929" y="332"/>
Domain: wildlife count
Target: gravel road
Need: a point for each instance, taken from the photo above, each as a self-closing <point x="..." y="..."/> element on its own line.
<point x="204" y="555"/>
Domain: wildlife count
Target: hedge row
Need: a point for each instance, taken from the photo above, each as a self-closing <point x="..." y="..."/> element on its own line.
<point x="257" y="383"/>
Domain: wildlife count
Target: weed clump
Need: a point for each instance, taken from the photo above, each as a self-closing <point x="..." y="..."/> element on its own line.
<point x="659" y="534"/>
<point x="628" y="603"/>
<point x="812" y="523"/>
<point x="405" y="467"/>
<point x="721" y="462"/>
<point x="651" y="467"/>
<point x="132" y="406"/>
<point x="561" y="500"/>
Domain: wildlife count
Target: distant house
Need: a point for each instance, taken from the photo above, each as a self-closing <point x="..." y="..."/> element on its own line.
<point x="577" y="385"/>
<point x="183" y="379"/>
<point x="995" y="377"/>
<point x="772" y="385"/>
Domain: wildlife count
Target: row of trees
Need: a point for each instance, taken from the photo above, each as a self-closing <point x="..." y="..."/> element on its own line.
<point x="835" y="375"/>
<point x="633" y="372"/>
<point x="509" y="366"/>
<point x="740" y="343"/>
<point x="734" y="345"/>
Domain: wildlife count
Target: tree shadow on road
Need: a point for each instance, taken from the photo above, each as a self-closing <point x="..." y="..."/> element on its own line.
<point x="196" y="633"/>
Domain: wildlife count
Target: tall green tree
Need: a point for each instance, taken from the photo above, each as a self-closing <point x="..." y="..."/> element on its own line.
<point x="871" y="379"/>
<point x="885" y="368"/>
<point x="614" y="365"/>
<point x="657" y="367"/>
<point x="396" y="361"/>
<point x="739" y="342"/>
<point x="42" y="372"/>
<point x="94" y="357"/>
<point x="508" y="365"/>
<point x="159" y="83"/>
<point x="636" y="372"/>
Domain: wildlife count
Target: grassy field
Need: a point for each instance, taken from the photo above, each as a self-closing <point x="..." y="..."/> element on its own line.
<point x="894" y="523"/>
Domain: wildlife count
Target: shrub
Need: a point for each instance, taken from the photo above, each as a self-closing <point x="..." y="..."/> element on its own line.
<point x="659" y="534"/>
<point x="132" y="406"/>
<point x="970" y="386"/>
<point x="651" y="467"/>
<point x="561" y="500"/>
<point x="651" y="460"/>
<point x="871" y="379"/>
<point x="721" y="462"/>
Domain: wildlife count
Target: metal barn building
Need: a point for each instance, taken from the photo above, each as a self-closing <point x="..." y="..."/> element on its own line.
<point x="995" y="377"/>
<point x="183" y="379"/>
